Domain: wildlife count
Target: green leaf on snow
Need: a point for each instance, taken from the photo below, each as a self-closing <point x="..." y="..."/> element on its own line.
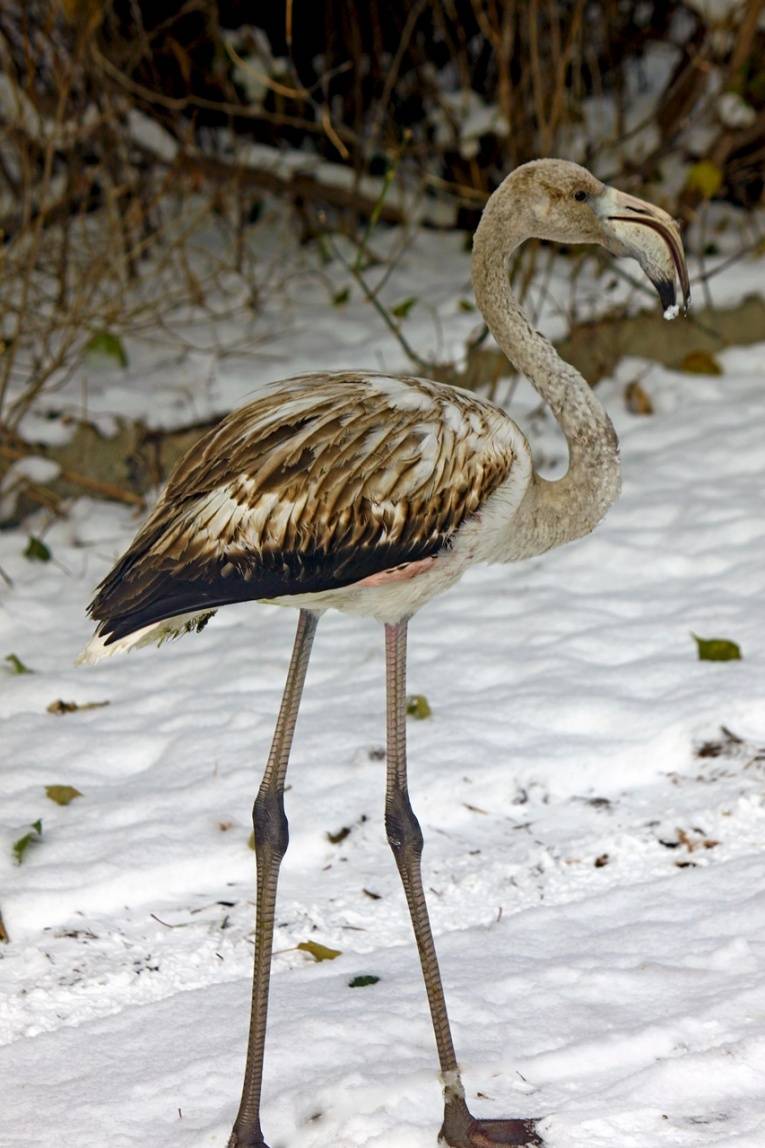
<point x="62" y="794"/>
<point x="103" y="344"/>
<point x="418" y="707"/>
<point x="319" y="952"/>
<point x="717" y="649"/>
<point x="36" y="550"/>
<point x="20" y="847"/>
<point x="402" y="309"/>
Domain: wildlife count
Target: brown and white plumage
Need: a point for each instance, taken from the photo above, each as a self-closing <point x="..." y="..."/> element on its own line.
<point x="321" y="483"/>
<point x="371" y="494"/>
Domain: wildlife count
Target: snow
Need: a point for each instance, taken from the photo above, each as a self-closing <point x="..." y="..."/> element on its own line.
<point x="35" y="468"/>
<point x="151" y="135"/>
<point x="718" y="11"/>
<point x="593" y="838"/>
<point x="30" y="469"/>
<point x="734" y="111"/>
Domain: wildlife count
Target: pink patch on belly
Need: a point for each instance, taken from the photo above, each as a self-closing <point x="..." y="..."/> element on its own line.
<point x="403" y="573"/>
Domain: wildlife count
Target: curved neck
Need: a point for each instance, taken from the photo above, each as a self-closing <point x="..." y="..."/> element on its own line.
<point x="572" y="506"/>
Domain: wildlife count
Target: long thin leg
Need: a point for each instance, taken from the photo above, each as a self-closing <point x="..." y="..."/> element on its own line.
<point x="271" y="840"/>
<point x="460" y="1129"/>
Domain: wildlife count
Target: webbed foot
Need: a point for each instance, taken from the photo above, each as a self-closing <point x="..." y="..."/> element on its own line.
<point x="461" y="1130"/>
<point x="237" y="1140"/>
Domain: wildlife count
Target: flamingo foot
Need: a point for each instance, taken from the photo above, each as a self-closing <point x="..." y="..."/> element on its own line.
<point x="237" y="1140"/>
<point x="461" y="1130"/>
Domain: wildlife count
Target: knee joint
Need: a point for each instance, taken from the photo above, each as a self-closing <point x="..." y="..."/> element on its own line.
<point x="402" y="827"/>
<point x="270" y="823"/>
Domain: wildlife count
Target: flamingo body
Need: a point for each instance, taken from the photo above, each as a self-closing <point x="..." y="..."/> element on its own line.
<point x="357" y="491"/>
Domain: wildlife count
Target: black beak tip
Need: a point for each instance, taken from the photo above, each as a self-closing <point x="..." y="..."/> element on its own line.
<point x="666" y="292"/>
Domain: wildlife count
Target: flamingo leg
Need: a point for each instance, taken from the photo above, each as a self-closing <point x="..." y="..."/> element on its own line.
<point x="460" y="1129"/>
<point x="271" y="840"/>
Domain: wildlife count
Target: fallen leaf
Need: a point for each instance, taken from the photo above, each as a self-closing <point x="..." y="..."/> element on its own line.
<point x="62" y="794"/>
<point x="362" y="981"/>
<point x="336" y="838"/>
<point x="59" y="706"/>
<point x="700" y="363"/>
<point x="4" y="938"/>
<point x="20" y="847"/>
<point x="16" y="665"/>
<point x="104" y="344"/>
<point x="717" y="649"/>
<point x="402" y="309"/>
<point x="701" y="841"/>
<point x="418" y="707"/>
<point x="725" y="745"/>
<point x="319" y="952"/>
<point x="36" y="550"/>
<point x="638" y="402"/>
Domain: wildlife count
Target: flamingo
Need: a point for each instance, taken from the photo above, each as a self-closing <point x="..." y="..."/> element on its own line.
<point x="370" y="494"/>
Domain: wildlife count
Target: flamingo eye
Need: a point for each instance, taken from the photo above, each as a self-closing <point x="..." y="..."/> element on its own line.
<point x="580" y="195"/>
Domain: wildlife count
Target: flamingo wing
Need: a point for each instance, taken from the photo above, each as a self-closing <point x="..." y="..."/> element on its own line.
<point x="322" y="481"/>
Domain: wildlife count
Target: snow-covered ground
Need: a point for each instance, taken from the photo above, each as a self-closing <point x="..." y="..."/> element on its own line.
<point x="594" y="836"/>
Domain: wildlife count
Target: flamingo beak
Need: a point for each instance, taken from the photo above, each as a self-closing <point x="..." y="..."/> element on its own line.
<point x="646" y="233"/>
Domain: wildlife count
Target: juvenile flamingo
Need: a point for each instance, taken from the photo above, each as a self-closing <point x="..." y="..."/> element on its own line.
<point x="370" y="494"/>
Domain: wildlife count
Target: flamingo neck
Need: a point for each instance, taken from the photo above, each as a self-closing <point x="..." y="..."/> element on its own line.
<point x="573" y="505"/>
